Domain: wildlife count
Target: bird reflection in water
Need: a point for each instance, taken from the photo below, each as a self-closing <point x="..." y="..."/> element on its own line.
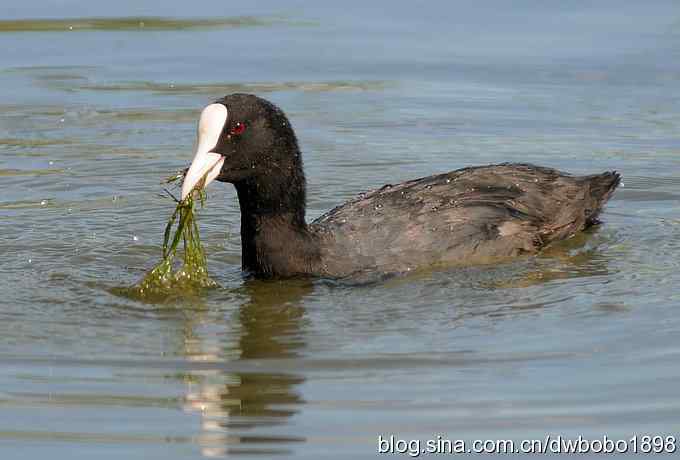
<point x="236" y="406"/>
<point x="571" y="258"/>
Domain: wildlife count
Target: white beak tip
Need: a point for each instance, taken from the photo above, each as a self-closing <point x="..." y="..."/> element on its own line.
<point x="203" y="170"/>
<point x="206" y="165"/>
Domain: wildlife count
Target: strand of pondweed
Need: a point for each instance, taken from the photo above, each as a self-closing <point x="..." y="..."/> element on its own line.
<point x="168" y="229"/>
<point x="183" y="216"/>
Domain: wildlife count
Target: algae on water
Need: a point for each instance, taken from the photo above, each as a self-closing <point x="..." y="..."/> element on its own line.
<point x="164" y="281"/>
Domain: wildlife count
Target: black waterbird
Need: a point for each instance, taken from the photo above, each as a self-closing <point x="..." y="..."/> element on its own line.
<point x="469" y="216"/>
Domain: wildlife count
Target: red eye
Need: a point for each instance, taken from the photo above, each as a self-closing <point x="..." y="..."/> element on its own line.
<point x="237" y="129"/>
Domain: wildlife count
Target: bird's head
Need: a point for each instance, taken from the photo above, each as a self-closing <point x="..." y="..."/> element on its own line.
<point x="242" y="137"/>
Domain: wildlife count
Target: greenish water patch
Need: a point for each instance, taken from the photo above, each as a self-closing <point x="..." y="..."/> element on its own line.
<point x="29" y="172"/>
<point x="107" y="400"/>
<point x="48" y="68"/>
<point x="59" y="77"/>
<point x="135" y="115"/>
<point x="140" y="23"/>
<point x="15" y="142"/>
<point x="164" y="283"/>
<point x="25" y="204"/>
<point x="29" y="111"/>
<point x="261" y="87"/>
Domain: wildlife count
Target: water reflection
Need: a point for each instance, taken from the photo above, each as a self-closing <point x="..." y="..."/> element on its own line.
<point x="572" y="258"/>
<point x="267" y="326"/>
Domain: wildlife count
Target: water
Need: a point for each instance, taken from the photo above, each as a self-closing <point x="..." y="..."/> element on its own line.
<point x="581" y="340"/>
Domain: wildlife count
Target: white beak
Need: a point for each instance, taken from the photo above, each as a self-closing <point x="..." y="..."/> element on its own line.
<point x="206" y="163"/>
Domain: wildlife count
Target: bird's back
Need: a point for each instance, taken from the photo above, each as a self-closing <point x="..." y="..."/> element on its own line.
<point x="469" y="216"/>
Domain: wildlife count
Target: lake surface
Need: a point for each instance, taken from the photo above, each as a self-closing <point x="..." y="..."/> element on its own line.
<point x="584" y="339"/>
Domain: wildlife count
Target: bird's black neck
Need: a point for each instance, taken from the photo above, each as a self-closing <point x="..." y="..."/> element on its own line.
<point x="274" y="235"/>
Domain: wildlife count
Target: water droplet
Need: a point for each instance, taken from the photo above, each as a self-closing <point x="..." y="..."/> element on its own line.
<point x="448" y="180"/>
<point x="43" y="203"/>
<point x="135" y="238"/>
<point x="62" y="120"/>
<point x="536" y="180"/>
<point x="51" y="163"/>
<point x="30" y="261"/>
<point x="70" y="27"/>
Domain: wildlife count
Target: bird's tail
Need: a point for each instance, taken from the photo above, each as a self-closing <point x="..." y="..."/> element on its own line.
<point x="602" y="187"/>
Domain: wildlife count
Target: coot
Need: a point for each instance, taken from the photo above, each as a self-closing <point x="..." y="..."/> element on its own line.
<point x="469" y="216"/>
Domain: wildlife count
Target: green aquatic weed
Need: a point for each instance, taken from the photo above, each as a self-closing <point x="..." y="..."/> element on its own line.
<point x="163" y="282"/>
